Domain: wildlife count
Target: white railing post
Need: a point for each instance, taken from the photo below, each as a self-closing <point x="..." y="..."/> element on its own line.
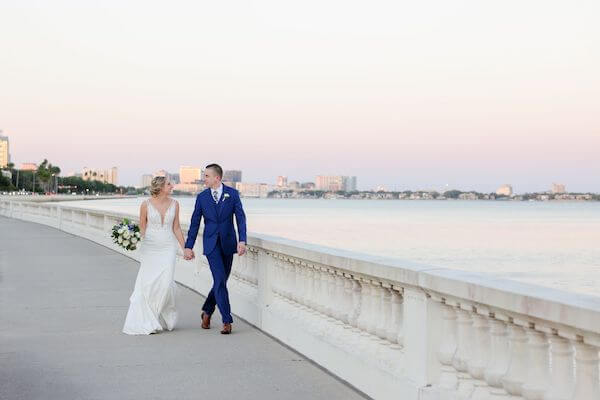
<point x="562" y="378"/>
<point x="448" y="374"/>
<point x="266" y="272"/>
<point x="480" y="355"/>
<point x="517" y="369"/>
<point x="537" y="379"/>
<point x="587" y="386"/>
<point x="499" y="355"/>
<point x="418" y="327"/>
<point x="464" y="347"/>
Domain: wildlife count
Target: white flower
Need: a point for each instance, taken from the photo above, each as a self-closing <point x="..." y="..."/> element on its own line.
<point x="126" y="243"/>
<point x="121" y="230"/>
<point x="226" y="195"/>
<point x="120" y="239"/>
<point x="134" y="240"/>
<point x="126" y="235"/>
<point x="137" y="235"/>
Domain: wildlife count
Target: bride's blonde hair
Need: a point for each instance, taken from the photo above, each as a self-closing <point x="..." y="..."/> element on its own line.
<point x="157" y="184"/>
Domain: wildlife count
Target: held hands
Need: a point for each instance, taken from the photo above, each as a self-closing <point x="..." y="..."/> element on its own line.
<point x="188" y="254"/>
<point x="241" y="248"/>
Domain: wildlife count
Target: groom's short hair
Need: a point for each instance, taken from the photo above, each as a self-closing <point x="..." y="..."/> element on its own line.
<point x="217" y="168"/>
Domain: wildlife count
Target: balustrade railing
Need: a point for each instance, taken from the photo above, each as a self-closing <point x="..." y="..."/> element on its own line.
<point x="397" y="331"/>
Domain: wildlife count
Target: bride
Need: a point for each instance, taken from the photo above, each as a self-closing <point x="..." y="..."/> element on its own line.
<point x="152" y="304"/>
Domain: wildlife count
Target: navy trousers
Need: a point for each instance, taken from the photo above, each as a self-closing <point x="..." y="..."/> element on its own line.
<point x="220" y="267"/>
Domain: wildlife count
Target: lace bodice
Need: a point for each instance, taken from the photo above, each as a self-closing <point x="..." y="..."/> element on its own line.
<point x="155" y="220"/>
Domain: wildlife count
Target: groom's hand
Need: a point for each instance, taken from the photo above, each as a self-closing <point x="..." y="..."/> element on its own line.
<point x="241" y="250"/>
<point x="188" y="254"/>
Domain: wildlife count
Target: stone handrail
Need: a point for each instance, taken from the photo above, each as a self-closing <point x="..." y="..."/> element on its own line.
<point x="392" y="329"/>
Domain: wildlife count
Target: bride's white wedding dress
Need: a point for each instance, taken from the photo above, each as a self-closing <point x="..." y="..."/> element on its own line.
<point x="152" y="304"/>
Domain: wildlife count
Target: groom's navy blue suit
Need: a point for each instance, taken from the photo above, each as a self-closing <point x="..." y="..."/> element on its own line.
<point x="219" y="242"/>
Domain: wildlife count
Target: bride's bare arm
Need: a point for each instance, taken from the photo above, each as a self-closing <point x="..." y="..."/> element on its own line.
<point x="143" y="218"/>
<point x="177" y="227"/>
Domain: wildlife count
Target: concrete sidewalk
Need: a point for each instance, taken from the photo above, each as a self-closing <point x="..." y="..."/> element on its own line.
<point x="63" y="301"/>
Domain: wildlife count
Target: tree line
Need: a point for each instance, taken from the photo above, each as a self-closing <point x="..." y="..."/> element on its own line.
<point x="46" y="179"/>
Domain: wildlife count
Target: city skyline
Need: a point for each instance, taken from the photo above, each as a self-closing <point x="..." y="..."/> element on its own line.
<point x="184" y="170"/>
<point x="408" y="96"/>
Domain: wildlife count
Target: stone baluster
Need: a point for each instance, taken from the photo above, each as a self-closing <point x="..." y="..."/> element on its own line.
<point x="324" y="301"/>
<point x="305" y="287"/>
<point x="322" y="291"/>
<point x="355" y="312"/>
<point x="462" y="357"/>
<point x="562" y="377"/>
<point x="366" y="322"/>
<point x="310" y="315"/>
<point x="385" y="309"/>
<point x="297" y="289"/>
<point x="587" y="385"/>
<point x="365" y="308"/>
<point x="309" y="286"/>
<point x="375" y="307"/>
<point x="276" y="284"/>
<point x="499" y="355"/>
<point x="338" y="309"/>
<point x="447" y="350"/>
<point x="347" y="299"/>
<point x="517" y="368"/>
<point x="287" y="287"/>
<point x="297" y="283"/>
<point x="331" y="296"/>
<point x="537" y="378"/>
<point x="396" y="335"/>
<point x="480" y="355"/>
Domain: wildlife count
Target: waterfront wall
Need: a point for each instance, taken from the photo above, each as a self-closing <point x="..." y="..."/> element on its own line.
<point x="392" y="329"/>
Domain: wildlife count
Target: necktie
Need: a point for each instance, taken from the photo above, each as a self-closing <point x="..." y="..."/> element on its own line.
<point x="215" y="196"/>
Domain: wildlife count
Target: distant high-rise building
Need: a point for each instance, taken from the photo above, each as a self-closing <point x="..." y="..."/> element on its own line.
<point x="189" y="174"/>
<point x="146" y="180"/>
<point x="232" y="176"/>
<point x="161" y="172"/>
<point x="4" y="151"/>
<point x="505" y="190"/>
<point x="294" y="185"/>
<point x="334" y="183"/>
<point x="173" y="178"/>
<point x="350" y="183"/>
<point x="282" y="181"/>
<point x="308" y="185"/>
<point x="252" y="189"/>
<point x="558" y="188"/>
<point x="110" y="175"/>
<point x="28" y="167"/>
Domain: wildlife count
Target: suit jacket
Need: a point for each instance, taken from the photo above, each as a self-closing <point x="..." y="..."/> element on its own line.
<point x="218" y="221"/>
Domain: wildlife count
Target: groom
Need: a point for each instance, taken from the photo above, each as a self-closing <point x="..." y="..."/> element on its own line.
<point x="218" y="203"/>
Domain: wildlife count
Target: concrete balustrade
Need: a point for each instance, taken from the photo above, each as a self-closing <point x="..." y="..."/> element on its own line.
<point x="393" y="329"/>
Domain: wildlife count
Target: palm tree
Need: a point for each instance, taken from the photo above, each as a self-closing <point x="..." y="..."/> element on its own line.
<point x="45" y="172"/>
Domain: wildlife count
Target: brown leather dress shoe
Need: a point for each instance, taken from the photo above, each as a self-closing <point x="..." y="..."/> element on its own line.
<point x="226" y="329"/>
<point x="205" y="320"/>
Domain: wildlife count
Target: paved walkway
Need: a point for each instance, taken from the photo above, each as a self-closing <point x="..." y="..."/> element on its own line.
<point x="63" y="300"/>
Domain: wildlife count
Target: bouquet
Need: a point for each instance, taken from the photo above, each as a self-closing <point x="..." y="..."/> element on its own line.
<point x="126" y="235"/>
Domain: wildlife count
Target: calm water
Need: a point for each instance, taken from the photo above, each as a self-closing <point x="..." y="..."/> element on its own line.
<point x="553" y="244"/>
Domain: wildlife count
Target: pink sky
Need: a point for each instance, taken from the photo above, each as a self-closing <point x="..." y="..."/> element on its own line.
<point x="467" y="93"/>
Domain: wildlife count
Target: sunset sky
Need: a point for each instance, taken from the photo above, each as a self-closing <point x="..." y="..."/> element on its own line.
<point x="406" y="94"/>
